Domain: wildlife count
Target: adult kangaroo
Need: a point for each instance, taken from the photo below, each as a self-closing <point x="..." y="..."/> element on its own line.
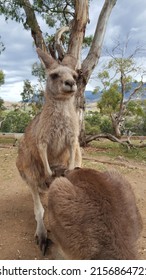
<point x="52" y="136"/>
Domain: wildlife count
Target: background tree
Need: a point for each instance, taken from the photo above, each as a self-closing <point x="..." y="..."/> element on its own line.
<point x="73" y="18"/>
<point x="120" y="88"/>
<point x="27" y="92"/>
<point x="2" y="78"/>
<point x="2" y="108"/>
<point x="33" y="95"/>
<point x="15" y="121"/>
<point x="95" y="123"/>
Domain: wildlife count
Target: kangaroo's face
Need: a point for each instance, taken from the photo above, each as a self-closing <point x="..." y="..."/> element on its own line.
<point x="61" y="78"/>
<point x="61" y="82"/>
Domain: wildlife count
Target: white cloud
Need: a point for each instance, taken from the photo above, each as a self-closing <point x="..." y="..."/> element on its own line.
<point x="11" y="92"/>
<point x="12" y="89"/>
<point x="16" y="60"/>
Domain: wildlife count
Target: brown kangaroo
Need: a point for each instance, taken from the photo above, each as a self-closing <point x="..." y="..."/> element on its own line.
<point x="93" y="215"/>
<point x="52" y="136"/>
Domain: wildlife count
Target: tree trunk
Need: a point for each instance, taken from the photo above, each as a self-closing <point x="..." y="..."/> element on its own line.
<point x="116" y="127"/>
<point x="117" y="131"/>
<point x="80" y="106"/>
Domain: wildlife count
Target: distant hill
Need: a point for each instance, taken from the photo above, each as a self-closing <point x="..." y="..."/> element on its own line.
<point x="92" y="97"/>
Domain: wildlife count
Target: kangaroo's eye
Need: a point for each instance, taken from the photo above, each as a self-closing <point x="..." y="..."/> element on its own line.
<point x="75" y="77"/>
<point x="54" y="76"/>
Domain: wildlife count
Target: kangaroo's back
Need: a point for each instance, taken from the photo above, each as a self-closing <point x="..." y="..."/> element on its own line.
<point x="93" y="215"/>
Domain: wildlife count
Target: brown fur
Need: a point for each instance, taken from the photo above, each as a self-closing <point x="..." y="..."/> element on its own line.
<point x="52" y="136"/>
<point x="93" y="215"/>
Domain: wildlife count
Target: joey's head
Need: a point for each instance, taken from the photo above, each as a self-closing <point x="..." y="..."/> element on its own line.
<point x="61" y="78"/>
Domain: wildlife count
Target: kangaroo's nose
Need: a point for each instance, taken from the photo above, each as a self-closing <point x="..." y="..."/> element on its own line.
<point x="70" y="83"/>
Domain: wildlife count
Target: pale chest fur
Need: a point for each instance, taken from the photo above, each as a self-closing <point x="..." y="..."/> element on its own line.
<point x="60" y="128"/>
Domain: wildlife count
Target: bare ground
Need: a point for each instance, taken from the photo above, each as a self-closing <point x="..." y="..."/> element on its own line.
<point x="17" y="224"/>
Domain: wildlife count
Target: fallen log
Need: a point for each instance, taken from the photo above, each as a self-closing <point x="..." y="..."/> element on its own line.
<point x="124" y="142"/>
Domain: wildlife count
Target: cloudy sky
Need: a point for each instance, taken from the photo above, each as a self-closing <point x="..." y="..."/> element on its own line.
<point x="19" y="55"/>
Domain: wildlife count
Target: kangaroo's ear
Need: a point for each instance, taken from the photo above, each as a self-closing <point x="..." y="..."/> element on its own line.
<point x="70" y="61"/>
<point x="47" y="59"/>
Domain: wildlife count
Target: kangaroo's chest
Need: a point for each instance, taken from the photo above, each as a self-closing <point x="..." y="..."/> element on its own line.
<point x="61" y="133"/>
<point x="59" y="130"/>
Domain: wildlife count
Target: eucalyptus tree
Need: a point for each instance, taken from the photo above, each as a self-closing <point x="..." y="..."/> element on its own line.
<point x="120" y="86"/>
<point x="71" y="18"/>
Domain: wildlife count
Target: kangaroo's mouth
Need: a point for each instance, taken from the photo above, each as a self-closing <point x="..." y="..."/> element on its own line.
<point x="65" y="95"/>
<point x="70" y="89"/>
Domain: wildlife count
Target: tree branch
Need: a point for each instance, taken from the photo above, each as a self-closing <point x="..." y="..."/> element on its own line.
<point x="31" y="21"/>
<point x="108" y="136"/>
<point x="94" y="53"/>
<point x="78" y="29"/>
<point x="57" y="44"/>
<point x="134" y="92"/>
<point x="127" y="143"/>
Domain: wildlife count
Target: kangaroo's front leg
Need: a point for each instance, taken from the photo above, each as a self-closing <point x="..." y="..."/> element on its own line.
<point x="78" y="156"/>
<point x="44" y="157"/>
<point x="72" y="151"/>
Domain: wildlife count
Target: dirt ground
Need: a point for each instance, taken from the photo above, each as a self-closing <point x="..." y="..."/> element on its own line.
<point x="17" y="224"/>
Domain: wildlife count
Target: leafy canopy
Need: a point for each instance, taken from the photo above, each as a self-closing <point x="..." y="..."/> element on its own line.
<point x="110" y="100"/>
<point x="61" y="10"/>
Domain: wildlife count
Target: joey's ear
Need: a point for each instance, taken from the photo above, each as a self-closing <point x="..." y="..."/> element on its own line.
<point x="47" y="59"/>
<point x="70" y="61"/>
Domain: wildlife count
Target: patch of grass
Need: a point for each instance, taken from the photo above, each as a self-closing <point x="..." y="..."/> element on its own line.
<point x="113" y="150"/>
<point x="95" y="165"/>
<point x="7" y="141"/>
